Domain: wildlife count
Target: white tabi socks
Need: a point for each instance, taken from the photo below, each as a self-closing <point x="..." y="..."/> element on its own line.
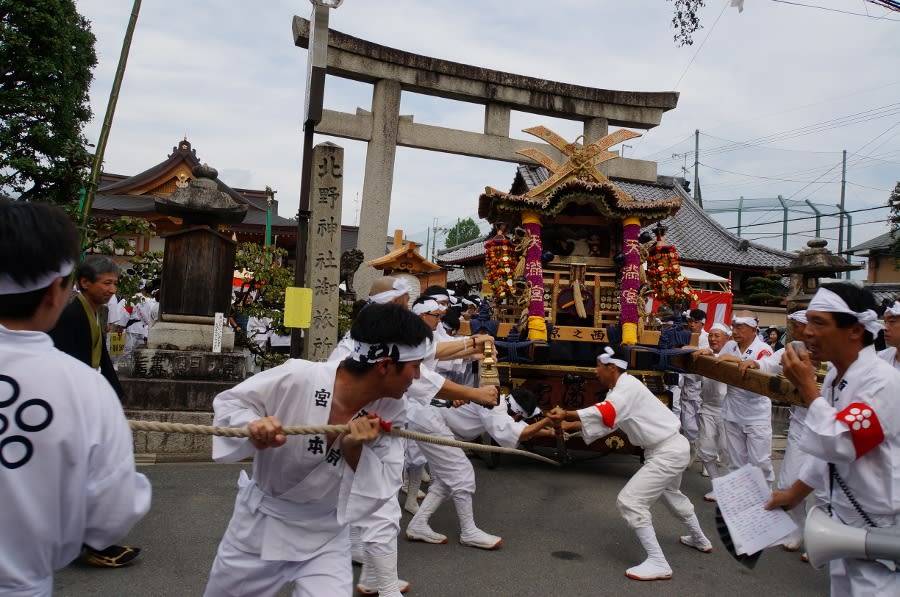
<point x="655" y="567"/>
<point x="412" y="492"/>
<point x="379" y="577"/>
<point x="696" y="539"/>
<point x="794" y="541"/>
<point x="469" y="534"/>
<point x="712" y="470"/>
<point x="418" y="529"/>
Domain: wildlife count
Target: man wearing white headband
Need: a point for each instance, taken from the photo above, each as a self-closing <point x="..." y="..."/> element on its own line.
<point x="648" y="423"/>
<point x="711" y="433"/>
<point x="690" y="384"/>
<point x="389" y="289"/>
<point x="453" y="473"/>
<point x="892" y="335"/>
<point x="374" y="539"/>
<point x="795" y="459"/>
<point x="747" y="415"/>
<point x="67" y="475"/>
<point x="852" y="428"/>
<point x="291" y="517"/>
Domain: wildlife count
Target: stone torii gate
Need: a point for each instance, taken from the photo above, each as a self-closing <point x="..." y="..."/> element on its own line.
<point x="391" y="71"/>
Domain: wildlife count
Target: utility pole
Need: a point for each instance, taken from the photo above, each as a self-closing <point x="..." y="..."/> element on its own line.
<point x="698" y="198"/>
<point x="841" y="206"/>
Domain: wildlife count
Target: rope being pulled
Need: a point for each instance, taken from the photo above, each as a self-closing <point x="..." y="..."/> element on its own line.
<point x="324" y="429"/>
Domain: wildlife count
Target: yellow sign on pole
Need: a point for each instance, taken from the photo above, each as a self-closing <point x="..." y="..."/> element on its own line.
<point x="116" y="344"/>
<point x="297" y="307"/>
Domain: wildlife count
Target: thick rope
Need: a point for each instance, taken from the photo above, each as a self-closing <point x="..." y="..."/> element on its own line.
<point x="325" y="429"/>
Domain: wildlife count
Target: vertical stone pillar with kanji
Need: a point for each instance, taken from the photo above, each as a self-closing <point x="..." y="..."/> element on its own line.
<point x="323" y="250"/>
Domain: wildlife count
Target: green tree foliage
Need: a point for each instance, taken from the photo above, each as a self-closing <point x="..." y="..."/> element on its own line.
<point x="265" y="281"/>
<point x="766" y="291"/>
<point x="465" y="230"/>
<point x="894" y="203"/>
<point x="686" y="21"/>
<point x="143" y="269"/>
<point x="47" y="56"/>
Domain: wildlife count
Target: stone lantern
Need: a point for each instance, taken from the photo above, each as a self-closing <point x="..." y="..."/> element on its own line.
<point x="198" y="266"/>
<point x="807" y="267"/>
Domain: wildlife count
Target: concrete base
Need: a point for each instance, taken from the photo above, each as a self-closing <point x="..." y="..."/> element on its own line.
<point x="189" y="365"/>
<point x="155" y="446"/>
<point x="187" y="336"/>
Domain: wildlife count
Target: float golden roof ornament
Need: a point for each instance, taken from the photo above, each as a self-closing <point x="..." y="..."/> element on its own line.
<point x="582" y="160"/>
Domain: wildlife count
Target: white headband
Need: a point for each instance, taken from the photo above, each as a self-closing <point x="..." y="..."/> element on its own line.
<point x="400" y="288"/>
<point x="516" y="408"/>
<point x="606" y="357"/>
<point x="721" y="327"/>
<point x="894" y="309"/>
<point x="9" y="286"/>
<point x="749" y="321"/>
<point x="427" y="306"/>
<point x="828" y="302"/>
<point x="439" y="297"/>
<point x="399" y="353"/>
<point x="799" y="316"/>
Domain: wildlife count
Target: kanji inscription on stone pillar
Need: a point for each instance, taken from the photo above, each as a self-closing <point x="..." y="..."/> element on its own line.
<point x="323" y="249"/>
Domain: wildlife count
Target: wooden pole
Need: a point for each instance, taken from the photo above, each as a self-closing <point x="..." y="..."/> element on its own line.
<point x="775" y="387"/>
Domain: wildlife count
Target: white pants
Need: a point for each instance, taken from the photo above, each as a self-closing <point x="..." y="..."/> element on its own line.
<point x="690" y="418"/>
<point x="862" y="578"/>
<point x="660" y="476"/>
<point x="750" y="444"/>
<point x="239" y="574"/>
<point x="448" y="466"/>
<point x="710" y="437"/>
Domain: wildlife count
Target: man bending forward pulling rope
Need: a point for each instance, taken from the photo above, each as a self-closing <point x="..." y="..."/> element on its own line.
<point x="631" y="407"/>
<point x="291" y="519"/>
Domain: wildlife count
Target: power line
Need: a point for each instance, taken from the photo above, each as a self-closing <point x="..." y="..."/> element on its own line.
<point x="856" y="14"/>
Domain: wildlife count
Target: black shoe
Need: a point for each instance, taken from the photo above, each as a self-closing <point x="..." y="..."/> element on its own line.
<point x="114" y="556"/>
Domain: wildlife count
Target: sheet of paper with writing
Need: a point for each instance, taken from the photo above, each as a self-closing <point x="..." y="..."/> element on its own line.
<point x="741" y="496"/>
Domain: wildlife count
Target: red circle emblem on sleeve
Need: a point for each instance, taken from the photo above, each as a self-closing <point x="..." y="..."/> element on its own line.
<point x="607" y="413"/>
<point x="865" y="428"/>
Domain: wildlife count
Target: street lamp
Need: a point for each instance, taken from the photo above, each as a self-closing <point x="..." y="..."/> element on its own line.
<point x="316" y="65"/>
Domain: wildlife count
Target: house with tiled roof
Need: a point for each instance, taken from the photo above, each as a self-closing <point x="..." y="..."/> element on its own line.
<point x="882" y="263"/>
<point x="702" y="242"/>
<point x="134" y="195"/>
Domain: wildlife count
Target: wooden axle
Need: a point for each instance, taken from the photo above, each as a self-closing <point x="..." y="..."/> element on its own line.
<point x="775" y="387"/>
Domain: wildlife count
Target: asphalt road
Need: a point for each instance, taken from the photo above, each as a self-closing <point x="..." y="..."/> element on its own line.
<point x="562" y="536"/>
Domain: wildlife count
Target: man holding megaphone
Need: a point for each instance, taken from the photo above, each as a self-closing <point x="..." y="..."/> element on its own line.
<point x="852" y="430"/>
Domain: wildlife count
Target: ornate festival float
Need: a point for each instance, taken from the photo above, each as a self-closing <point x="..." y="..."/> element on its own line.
<point x="568" y="272"/>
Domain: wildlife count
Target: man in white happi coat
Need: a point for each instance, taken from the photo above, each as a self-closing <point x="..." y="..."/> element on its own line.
<point x="795" y="459"/>
<point x="852" y="428"/>
<point x="469" y="421"/>
<point x="452" y="472"/>
<point x="374" y="539"/>
<point x="67" y="474"/>
<point x="690" y="383"/>
<point x="648" y="423"/>
<point x="747" y="415"/>
<point x="291" y="519"/>
<point x="892" y="335"/>
<point x="711" y="432"/>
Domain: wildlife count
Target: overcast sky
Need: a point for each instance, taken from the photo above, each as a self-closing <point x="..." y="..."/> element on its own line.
<point x="777" y="92"/>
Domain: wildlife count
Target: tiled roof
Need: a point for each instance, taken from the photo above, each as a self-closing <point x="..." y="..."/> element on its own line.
<point x="462" y="253"/>
<point x="700" y="239"/>
<point x="883" y="241"/>
<point x="885" y="290"/>
<point x="619" y="199"/>
<point x="126" y="205"/>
